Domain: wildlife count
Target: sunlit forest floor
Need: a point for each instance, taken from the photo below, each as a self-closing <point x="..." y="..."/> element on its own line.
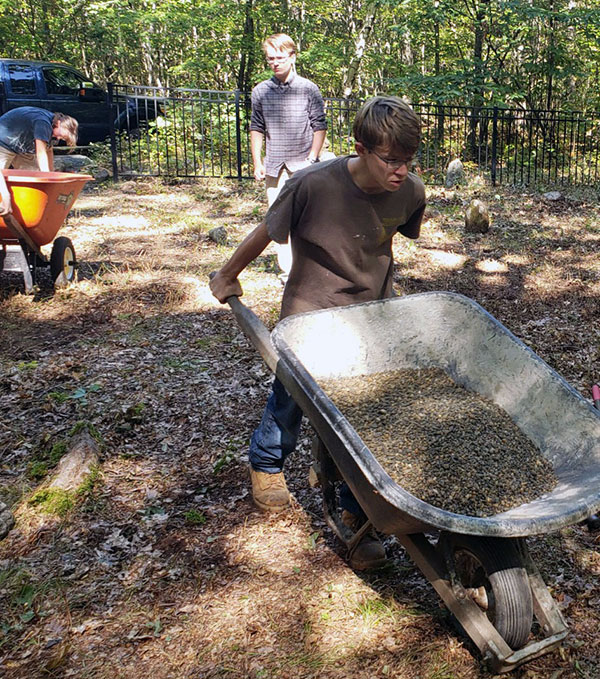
<point x="160" y="566"/>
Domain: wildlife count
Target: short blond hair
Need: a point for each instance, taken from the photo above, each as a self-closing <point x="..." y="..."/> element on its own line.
<point x="69" y="125"/>
<point x="281" y="42"/>
<point x="388" y="122"/>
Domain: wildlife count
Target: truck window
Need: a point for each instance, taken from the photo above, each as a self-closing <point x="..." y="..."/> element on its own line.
<point x="22" y="79"/>
<point x="62" y="81"/>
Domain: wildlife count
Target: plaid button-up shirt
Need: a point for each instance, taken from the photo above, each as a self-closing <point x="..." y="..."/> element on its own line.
<point x="288" y="114"/>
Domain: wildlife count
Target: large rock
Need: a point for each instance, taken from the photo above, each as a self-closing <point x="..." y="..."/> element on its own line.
<point x="455" y="174"/>
<point x="477" y="218"/>
<point x="73" y="163"/>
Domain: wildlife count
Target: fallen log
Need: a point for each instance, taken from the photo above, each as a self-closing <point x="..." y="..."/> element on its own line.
<point x="76" y="465"/>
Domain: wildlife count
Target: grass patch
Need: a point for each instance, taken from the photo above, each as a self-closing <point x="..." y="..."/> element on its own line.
<point x="195" y="517"/>
<point x="196" y="225"/>
<point x="26" y="366"/>
<point x="83" y="425"/>
<point x="376" y="610"/>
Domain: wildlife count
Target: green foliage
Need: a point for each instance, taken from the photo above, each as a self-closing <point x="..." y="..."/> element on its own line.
<point x="222" y="462"/>
<point x="195" y="517"/>
<point x="542" y="53"/>
<point x="26" y="366"/>
<point x="83" y="425"/>
<point x="46" y="459"/>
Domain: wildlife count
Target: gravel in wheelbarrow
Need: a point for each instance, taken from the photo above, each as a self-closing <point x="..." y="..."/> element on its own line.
<point x="447" y="445"/>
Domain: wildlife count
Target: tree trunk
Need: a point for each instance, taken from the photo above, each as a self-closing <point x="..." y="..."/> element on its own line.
<point x="478" y="97"/>
<point x="360" y="43"/>
<point x="247" y="52"/>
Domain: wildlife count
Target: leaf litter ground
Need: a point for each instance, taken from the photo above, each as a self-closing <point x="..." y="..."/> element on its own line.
<point x="163" y="567"/>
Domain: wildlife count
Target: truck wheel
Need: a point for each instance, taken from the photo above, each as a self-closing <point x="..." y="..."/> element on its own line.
<point x="62" y="262"/>
<point x="492" y="572"/>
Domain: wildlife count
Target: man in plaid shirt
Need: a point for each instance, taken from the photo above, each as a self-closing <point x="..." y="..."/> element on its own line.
<point x="288" y="111"/>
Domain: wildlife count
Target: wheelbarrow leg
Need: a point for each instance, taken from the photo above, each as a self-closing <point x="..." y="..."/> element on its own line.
<point x="325" y="474"/>
<point x="15" y="258"/>
<point x="26" y="255"/>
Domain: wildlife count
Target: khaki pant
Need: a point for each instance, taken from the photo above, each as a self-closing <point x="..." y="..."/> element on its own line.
<point x="274" y="186"/>
<point x="19" y="161"/>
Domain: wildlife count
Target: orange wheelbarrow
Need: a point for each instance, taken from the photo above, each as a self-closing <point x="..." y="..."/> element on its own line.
<point x="40" y="204"/>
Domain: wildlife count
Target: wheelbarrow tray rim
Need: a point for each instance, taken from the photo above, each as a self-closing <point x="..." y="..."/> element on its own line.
<point x="39" y="177"/>
<point x="576" y="496"/>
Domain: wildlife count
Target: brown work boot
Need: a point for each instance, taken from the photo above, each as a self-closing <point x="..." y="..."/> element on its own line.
<point x="369" y="552"/>
<point x="269" y="491"/>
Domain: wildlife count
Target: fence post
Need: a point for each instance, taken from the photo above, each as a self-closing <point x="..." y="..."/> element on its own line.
<point x="494" y="144"/>
<point x="113" y="136"/>
<point x="238" y="134"/>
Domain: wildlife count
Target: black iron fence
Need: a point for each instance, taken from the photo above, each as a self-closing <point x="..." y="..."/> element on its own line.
<point x="205" y="133"/>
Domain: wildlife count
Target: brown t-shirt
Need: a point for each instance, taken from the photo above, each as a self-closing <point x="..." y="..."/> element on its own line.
<point x="341" y="237"/>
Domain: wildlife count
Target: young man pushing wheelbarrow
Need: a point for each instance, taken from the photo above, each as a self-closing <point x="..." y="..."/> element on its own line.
<point x="340" y="216"/>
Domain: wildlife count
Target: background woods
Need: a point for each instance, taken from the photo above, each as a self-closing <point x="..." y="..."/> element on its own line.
<point x="536" y="54"/>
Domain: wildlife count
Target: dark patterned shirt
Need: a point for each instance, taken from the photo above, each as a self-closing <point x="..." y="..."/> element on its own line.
<point x="288" y="114"/>
<point x="20" y="127"/>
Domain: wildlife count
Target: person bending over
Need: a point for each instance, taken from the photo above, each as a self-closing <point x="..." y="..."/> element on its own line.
<point x="26" y="137"/>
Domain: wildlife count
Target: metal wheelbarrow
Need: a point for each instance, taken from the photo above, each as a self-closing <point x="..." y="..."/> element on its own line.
<point x="456" y="553"/>
<point x="40" y="204"/>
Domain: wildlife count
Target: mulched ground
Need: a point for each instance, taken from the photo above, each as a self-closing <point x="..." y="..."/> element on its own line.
<point x="163" y="567"/>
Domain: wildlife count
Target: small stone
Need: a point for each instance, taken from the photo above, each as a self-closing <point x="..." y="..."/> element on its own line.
<point x="128" y="187"/>
<point x="218" y="235"/>
<point x="553" y="195"/>
<point x="455" y="174"/>
<point x="477" y="218"/>
<point x="100" y="174"/>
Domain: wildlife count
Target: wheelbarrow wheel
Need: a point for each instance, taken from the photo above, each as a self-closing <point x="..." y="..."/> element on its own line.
<point x="62" y="262"/>
<point x="492" y="572"/>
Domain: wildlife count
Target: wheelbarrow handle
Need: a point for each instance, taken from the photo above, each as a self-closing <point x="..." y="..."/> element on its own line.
<point x="255" y="330"/>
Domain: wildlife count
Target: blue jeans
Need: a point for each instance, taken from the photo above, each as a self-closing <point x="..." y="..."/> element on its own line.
<point x="276" y="437"/>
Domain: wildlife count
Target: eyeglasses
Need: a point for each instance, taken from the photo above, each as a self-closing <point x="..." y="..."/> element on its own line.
<point x="394" y="164"/>
<point x="281" y="57"/>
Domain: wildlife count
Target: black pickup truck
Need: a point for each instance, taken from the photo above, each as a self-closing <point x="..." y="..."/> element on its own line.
<point x="59" y="87"/>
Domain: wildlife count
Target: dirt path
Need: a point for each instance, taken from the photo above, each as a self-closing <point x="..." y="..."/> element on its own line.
<point x="160" y="566"/>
